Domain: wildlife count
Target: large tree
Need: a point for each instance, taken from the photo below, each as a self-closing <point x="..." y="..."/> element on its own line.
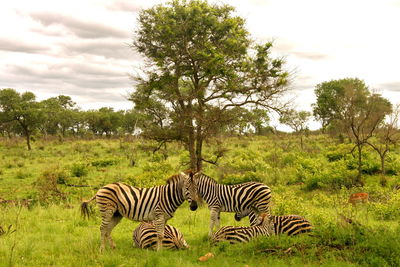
<point x="21" y="109"/>
<point x="350" y="107"/>
<point x="201" y="63"/>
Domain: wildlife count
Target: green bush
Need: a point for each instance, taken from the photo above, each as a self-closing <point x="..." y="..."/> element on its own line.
<point x="238" y="178"/>
<point x="104" y="163"/>
<point x="79" y="170"/>
<point x="387" y="210"/>
<point x="22" y="174"/>
<point x="334" y="175"/>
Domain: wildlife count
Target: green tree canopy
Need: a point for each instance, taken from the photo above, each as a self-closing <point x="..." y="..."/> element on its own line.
<point x="201" y="62"/>
<point x="348" y="106"/>
<point x="22" y="109"/>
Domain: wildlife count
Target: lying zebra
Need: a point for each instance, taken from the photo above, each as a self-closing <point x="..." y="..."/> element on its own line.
<point x="145" y="236"/>
<point x="265" y="225"/>
<point x="156" y="204"/>
<point x="240" y="198"/>
<point x="238" y="234"/>
<point x="287" y="224"/>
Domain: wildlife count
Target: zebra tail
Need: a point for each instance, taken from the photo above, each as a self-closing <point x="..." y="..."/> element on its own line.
<point x="85" y="211"/>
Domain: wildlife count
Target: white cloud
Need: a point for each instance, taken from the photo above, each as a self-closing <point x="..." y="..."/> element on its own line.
<point x="79" y="48"/>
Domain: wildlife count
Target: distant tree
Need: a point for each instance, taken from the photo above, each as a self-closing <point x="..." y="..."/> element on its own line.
<point x="58" y="115"/>
<point x="297" y="120"/>
<point x="104" y="121"/>
<point x="259" y="120"/>
<point x="386" y="136"/>
<point x="349" y="106"/>
<point x="131" y="121"/>
<point x="201" y="64"/>
<point x="21" y="108"/>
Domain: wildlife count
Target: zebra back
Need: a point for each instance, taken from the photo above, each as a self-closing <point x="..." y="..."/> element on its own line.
<point x="291" y="225"/>
<point x="233" y="198"/>
<point x="145" y="236"/>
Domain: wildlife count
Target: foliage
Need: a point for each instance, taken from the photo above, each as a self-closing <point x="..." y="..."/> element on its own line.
<point x="79" y="169"/>
<point x="21" y="109"/>
<point x="348" y="105"/>
<point x="308" y="183"/>
<point x="104" y="162"/>
<point x="201" y="64"/>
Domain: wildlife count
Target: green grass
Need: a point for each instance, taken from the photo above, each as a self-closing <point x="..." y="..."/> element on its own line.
<point x="51" y="232"/>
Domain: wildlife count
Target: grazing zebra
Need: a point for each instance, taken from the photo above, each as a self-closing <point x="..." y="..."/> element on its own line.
<point x="156" y="204"/>
<point x="287" y="224"/>
<point x="239" y="234"/>
<point x="246" y="197"/>
<point x="145" y="236"/>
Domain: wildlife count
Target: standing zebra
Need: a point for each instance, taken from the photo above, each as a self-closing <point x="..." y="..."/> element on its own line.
<point x="145" y="236"/>
<point x="239" y="198"/>
<point x="238" y="234"/>
<point x="156" y="204"/>
<point x="286" y="224"/>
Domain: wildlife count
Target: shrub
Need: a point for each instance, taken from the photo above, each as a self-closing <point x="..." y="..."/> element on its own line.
<point x="333" y="176"/>
<point x="154" y="173"/>
<point x="46" y="184"/>
<point x="389" y="210"/>
<point x="104" y="162"/>
<point x="79" y="170"/>
<point x="22" y="175"/>
<point x="238" y="178"/>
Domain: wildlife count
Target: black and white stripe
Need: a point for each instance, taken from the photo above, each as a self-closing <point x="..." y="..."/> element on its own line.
<point x="290" y="225"/>
<point x="239" y="234"/>
<point x="286" y="224"/>
<point x="145" y="236"/>
<point x="240" y="198"/>
<point x="156" y="204"/>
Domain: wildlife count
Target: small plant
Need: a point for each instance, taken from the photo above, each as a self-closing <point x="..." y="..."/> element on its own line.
<point x="22" y="175"/>
<point x="104" y="163"/>
<point x="47" y="186"/>
<point x="6" y="230"/>
<point x="79" y="170"/>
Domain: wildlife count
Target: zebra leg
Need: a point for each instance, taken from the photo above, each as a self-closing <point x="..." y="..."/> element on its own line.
<point x="159" y="225"/>
<point x="214" y="221"/>
<point x="105" y="229"/>
<point x="114" y="221"/>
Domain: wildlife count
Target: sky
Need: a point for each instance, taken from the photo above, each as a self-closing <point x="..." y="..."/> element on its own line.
<point x="80" y="48"/>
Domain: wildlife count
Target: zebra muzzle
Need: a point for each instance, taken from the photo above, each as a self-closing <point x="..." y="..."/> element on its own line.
<point x="237" y="217"/>
<point x="193" y="205"/>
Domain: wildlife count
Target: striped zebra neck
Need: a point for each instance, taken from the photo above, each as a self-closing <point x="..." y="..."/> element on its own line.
<point x="172" y="196"/>
<point x="206" y="187"/>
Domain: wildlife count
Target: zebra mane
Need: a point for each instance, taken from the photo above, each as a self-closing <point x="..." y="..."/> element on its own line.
<point x="173" y="179"/>
<point x="200" y="174"/>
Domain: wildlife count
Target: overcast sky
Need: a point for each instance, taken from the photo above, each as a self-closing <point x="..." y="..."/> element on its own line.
<point x="80" y="47"/>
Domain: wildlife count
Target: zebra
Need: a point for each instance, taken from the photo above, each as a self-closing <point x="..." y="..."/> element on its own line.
<point x="145" y="236"/>
<point x="156" y="204"/>
<point x="286" y="224"/>
<point x="245" y="197"/>
<point x="243" y="234"/>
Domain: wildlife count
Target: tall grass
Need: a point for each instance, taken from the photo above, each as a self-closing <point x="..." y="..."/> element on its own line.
<point x="312" y="182"/>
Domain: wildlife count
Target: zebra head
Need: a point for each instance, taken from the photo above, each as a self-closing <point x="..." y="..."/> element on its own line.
<point x="190" y="190"/>
<point x="265" y="220"/>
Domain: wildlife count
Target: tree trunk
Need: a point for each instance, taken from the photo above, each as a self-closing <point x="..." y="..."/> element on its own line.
<point x="301" y="141"/>
<point x="358" y="178"/>
<point x="199" y="149"/>
<point x="383" y="155"/>
<point x="191" y="147"/>
<point x="28" y="140"/>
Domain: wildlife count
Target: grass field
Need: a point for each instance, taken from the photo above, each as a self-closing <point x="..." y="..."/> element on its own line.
<point x="49" y="231"/>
